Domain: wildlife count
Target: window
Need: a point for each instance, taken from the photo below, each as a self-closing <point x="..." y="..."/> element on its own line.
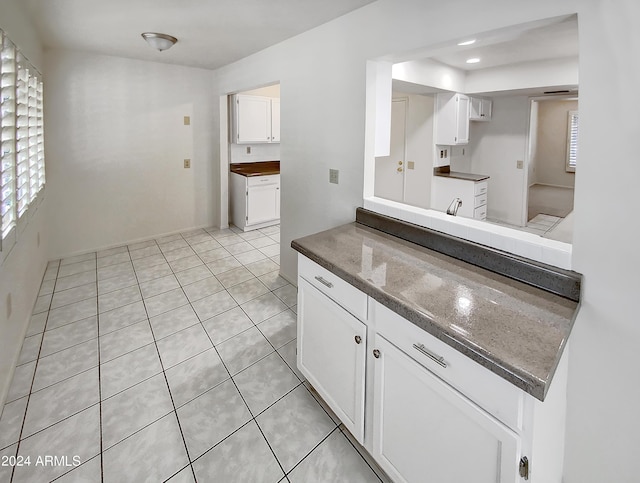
<point x="572" y="141"/>
<point x="22" y="144"/>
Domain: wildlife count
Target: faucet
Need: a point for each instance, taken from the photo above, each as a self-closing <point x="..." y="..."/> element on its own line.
<point x="453" y="207"/>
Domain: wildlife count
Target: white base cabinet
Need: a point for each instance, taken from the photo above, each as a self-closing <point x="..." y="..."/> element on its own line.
<point x="255" y="201"/>
<point x="424" y="411"/>
<point x="332" y="354"/>
<point x="424" y="430"/>
<point x="472" y="193"/>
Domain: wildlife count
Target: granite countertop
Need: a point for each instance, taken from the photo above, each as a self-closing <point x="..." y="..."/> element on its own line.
<point x="259" y="168"/>
<point x="513" y="329"/>
<point x="459" y="175"/>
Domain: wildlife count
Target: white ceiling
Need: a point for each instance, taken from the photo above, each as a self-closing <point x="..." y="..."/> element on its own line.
<point x="543" y="40"/>
<point x="211" y="33"/>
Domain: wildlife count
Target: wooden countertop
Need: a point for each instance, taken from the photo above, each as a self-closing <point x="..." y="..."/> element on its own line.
<point x="259" y="168"/>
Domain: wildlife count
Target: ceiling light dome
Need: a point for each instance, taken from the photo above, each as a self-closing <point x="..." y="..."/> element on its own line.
<point x="159" y="41"/>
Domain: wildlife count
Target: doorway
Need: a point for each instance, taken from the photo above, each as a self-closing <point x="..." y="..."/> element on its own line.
<point x="551" y="170"/>
<point x="390" y="170"/>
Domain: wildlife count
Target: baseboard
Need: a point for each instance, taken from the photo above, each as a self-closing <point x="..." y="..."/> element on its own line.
<point x="552" y="185"/>
<point x="131" y="242"/>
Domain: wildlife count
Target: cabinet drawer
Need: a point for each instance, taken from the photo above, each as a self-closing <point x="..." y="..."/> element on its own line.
<point x="259" y="180"/>
<point x="480" y="200"/>
<point x="480" y="213"/>
<point x="489" y="391"/>
<point x="481" y="188"/>
<point x="346" y="295"/>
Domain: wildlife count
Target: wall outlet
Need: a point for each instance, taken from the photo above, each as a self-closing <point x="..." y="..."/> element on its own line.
<point x="411" y="165"/>
<point x="519" y="164"/>
<point x="334" y="176"/>
<point x="187" y="120"/>
<point x="187" y="163"/>
<point x="248" y="149"/>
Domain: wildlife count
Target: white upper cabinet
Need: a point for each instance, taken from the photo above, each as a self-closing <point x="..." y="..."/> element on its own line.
<point x="254" y="119"/>
<point x="275" y="120"/>
<point x="452" y="119"/>
<point x="480" y="109"/>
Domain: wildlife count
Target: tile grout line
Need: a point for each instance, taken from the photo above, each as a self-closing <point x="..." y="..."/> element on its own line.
<point x="35" y="369"/>
<point x="99" y="374"/>
<point x="166" y="380"/>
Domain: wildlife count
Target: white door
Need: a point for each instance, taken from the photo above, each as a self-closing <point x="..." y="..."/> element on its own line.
<point x="390" y="170"/>
<point x="253" y="118"/>
<point x="331" y="355"/>
<point x="263" y="203"/>
<point x="424" y="431"/>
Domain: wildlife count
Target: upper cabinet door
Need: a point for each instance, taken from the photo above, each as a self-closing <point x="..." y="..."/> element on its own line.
<point x="253" y="119"/>
<point x="452" y="119"/>
<point x="275" y="120"/>
<point x="480" y="109"/>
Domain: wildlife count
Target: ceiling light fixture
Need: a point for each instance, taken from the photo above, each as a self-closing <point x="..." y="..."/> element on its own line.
<point x="467" y="42"/>
<point x="473" y="60"/>
<point x="159" y="41"/>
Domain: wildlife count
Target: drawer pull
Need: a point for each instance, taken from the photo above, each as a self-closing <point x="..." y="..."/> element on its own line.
<point x="423" y="350"/>
<point x="324" y="282"/>
<point x="376" y="353"/>
<point x="358" y="339"/>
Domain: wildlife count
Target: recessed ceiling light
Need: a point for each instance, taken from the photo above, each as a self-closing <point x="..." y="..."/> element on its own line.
<point x="467" y="42"/>
<point x="473" y="60"/>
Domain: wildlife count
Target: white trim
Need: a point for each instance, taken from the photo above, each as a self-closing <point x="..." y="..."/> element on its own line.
<point x="521" y="243"/>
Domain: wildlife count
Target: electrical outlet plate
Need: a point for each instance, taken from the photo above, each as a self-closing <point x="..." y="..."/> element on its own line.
<point x="187" y="120"/>
<point x="334" y="175"/>
<point x="519" y="164"/>
<point x="411" y="165"/>
<point x="187" y="163"/>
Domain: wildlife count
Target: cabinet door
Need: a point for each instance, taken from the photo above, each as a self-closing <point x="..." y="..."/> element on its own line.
<point x="275" y="120"/>
<point x="263" y="203"/>
<point x="253" y="119"/>
<point x="331" y="355"/>
<point x="462" y="119"/>
<point x="425" y="431"/>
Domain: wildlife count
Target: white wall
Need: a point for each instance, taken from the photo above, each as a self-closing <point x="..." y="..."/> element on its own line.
<point x="259" y="152"/>
<point x="547" y="73"/>
<point x="115" y="146"/>
<point x="551" y="150"/>
<point x="327" y="130"/>
<point x="495" y="148"/>
<point x="22" y="268"/>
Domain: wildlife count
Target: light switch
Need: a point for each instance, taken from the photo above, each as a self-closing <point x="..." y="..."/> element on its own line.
<point x="333" y="176"/>
<point x="411" y="165"/>
<point x="187" y="120"/>
<point x="519" y="164"/>
<point x="248" y="149"/>
<point x="187" y="163"/>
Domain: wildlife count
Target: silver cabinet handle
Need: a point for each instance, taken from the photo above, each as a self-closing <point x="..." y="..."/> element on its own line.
<point x="437" y="359"/>
<point x="324" y="282"/>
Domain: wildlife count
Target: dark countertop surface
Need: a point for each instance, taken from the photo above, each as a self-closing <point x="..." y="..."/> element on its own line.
<point x="259" y="168"/>
<point x="515" y="330"/>
<point x="459" y="175"/>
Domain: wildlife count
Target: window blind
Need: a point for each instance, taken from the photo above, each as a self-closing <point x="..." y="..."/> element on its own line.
<point x="572" y="141"/>
<point x="22" y="143"/>
<point x="8" y="126"/>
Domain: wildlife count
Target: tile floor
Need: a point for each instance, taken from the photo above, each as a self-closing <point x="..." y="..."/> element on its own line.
<point x="539" y="225"/>
<point x="171" y="359"/>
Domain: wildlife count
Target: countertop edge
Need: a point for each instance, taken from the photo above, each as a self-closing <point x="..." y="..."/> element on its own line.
<point x="534" y="386"/>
